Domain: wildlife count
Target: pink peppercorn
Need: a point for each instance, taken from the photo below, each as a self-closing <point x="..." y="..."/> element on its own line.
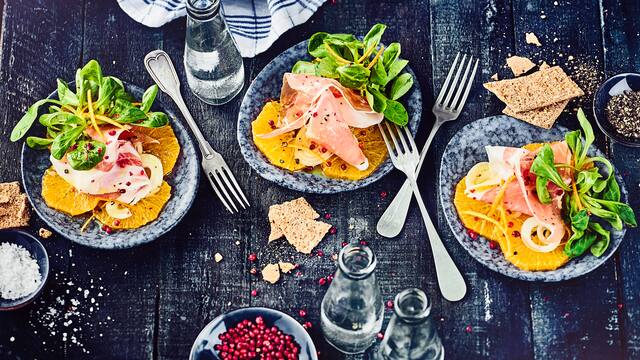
<point x="254" y="292"/>
<point x="302" y="313"/>
<point x="333" y="230"/>
<point x="252" y="257"/>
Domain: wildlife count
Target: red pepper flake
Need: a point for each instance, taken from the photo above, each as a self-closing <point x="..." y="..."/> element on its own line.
<point x="254" y="292"/>
<point x="383" y="194"/>
<point x="333" y="230"/>
<point x="510" y="224"/>
<point x="515" y="233"/>
<point x="302" y="313"/>
<point x="322" y="281"/>
<point x="252" y="257"/>
<point x="468" y="329"/>
<point x="472" y="234"/>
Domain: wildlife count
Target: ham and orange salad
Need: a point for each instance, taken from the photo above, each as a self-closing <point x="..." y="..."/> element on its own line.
<point x="326" y="119"/>
<point x="109" y="153"/>
<point x="544" y="203"/>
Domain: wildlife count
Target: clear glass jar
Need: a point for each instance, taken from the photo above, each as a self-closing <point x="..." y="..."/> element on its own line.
<point x="411" y="334"/>
<point x="351" y="313"/>
<point x="213" y="64"/>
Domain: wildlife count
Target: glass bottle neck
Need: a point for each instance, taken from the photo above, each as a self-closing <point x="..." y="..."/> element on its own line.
<point x="356" y="261"/>
<point x="203" y="10"/>
<point x="412" y="306"/>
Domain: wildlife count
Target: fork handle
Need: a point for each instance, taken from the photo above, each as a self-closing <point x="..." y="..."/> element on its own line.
<point x="392" y="220"/>
<point x="161" y="69"/>
<point x="450" y="280"/>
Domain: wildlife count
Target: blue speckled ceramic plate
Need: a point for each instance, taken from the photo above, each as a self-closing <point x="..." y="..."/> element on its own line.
<point x="183" y="179"/>
<point x="267" y="86"/>
<point x="466" y="149"/>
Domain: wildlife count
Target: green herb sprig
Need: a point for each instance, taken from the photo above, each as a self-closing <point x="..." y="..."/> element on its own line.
<point x="97" y="100"/>
<point x="591" y="199"/>
<point x="363" y="65"/>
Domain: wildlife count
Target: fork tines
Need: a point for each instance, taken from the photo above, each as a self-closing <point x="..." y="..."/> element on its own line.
<point x="223" y="182"/>
<point x="402" y="148"/>
<point x="454" y="91"/>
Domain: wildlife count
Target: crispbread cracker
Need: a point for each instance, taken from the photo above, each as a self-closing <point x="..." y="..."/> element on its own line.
<point x="8" y="191"/>
<point x="540" y="89"/>
<point x="283" y="213"/>
<point x="271" y="273"/>
<point x="286" y="267"/>
<point x="543" y="117"/>
<point x="15" y="213"/>
<point x="519" y="65"/>
<point x="305" y="234"/>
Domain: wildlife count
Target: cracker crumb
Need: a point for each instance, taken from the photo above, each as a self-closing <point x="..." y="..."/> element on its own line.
<point x="286" y="267"/>
<point x="532" y="39"/>
<point x="494" y="77"/>
<point x="44" y="233"/>
<point x="271" y="273"/>
<point x="217" y="257"/>
<point x="519" y="65"/>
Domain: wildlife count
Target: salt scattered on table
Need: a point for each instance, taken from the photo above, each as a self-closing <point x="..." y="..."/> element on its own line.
<point x="19" y="272"/>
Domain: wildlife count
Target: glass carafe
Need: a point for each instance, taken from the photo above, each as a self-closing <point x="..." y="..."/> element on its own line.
<point x="212" y="62"/>
<point x="411" y="334"/>
<point x="351" y="313"/>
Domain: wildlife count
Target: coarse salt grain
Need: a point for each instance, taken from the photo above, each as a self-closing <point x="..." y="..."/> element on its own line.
<point x="19" y="272"/>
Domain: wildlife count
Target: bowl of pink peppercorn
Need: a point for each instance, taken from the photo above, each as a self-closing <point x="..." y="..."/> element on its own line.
<point x="253" y="333"/>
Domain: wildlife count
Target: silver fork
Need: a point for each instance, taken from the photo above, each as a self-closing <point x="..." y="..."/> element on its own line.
<point x="445" y="109"/>
<point x="404" y="155"/>
<point x="220" y="177"/>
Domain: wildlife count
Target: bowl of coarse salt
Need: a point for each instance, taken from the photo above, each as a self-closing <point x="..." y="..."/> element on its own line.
<point x="24" y="268"/>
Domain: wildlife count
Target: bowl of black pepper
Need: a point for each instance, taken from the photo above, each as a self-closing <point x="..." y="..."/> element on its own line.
<point x="616" y="107"/>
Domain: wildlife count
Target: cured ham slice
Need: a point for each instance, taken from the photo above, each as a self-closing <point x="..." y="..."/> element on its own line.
<point x="520" y="195"/>
<point x="119" y="176"/>
<point x="328" y="110"/>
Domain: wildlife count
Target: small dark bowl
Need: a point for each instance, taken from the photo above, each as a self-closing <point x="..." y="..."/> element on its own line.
<point x="38" y="252"/>
<point x="614" y="86"/>
<point x="203" y="346"/>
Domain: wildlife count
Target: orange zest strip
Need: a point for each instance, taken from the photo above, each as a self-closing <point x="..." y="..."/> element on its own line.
<point x="366" y="54"/>
<point x="373" y="62"/>
<point x="335" y="55"/>
<point x="91" y="115"/>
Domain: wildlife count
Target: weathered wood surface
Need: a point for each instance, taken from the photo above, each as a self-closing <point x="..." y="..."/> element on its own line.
<point x="157" y="297"/>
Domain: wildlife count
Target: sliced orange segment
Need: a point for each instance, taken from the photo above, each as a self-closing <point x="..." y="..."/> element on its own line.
<point x="514" y="250"/>
<point x="276" y="149"/>
<point x="60" y="195"/>
<point x="374" y="149"/>
<point x="168" y="147"/>
<point x="145" y="211"/>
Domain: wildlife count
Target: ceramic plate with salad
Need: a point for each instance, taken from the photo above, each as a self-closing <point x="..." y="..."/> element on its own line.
<point x="100" y="159"/>
<point x="309" y="120"/>
<point x="533" y="204"/>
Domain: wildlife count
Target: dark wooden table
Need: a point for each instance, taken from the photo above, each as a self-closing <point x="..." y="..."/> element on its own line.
<point x="151" y="302"/>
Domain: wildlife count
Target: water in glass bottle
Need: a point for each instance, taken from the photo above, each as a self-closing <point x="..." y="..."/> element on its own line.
<point x="351" y="312"/>
<point x="411" y="334"/>
<point x="214" y="67"/>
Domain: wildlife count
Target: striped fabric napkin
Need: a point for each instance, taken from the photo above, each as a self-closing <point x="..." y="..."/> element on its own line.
<point x="254" y="24"/>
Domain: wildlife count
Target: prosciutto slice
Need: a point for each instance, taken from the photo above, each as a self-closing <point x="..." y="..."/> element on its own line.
<point x="328" y="110"/>
<point x="119" y="176"/>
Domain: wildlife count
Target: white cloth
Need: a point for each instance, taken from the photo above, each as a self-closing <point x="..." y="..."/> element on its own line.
<point x="254" y="24"/>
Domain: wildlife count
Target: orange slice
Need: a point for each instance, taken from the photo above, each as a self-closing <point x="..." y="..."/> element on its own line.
<point x="60" y="195"/>
<point x="145" y="211"/>
<point x="275" y="149"/>
<point x="373" y="148"/>
<point x="168" y="147"/>
<point x="514" y="250"/>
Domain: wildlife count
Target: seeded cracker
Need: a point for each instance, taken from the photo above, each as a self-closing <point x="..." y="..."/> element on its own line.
<point x="286" y="267"/>
<point x="543" y="117"/>
<point x="540" y="89"/>
<point x="520" y="65"/>
<point x="282" y="213"/>
<point x="305" y="234"/>
<point x="271" y="273"/>
<point x="14" y="206"/>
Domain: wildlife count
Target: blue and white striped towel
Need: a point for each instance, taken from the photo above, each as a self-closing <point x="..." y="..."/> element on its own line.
<point x="254" y="24"/>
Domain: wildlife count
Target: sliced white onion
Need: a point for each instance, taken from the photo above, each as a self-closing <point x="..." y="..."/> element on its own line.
<point x="117" y="211"/>
<point x="154" y="165"/>
<point x="527" y="229"/>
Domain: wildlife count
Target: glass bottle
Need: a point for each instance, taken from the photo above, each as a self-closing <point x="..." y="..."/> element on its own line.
<point x="411" y="334"/>
<point x="213" y="64"/>
<point x="351" y="312"/>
